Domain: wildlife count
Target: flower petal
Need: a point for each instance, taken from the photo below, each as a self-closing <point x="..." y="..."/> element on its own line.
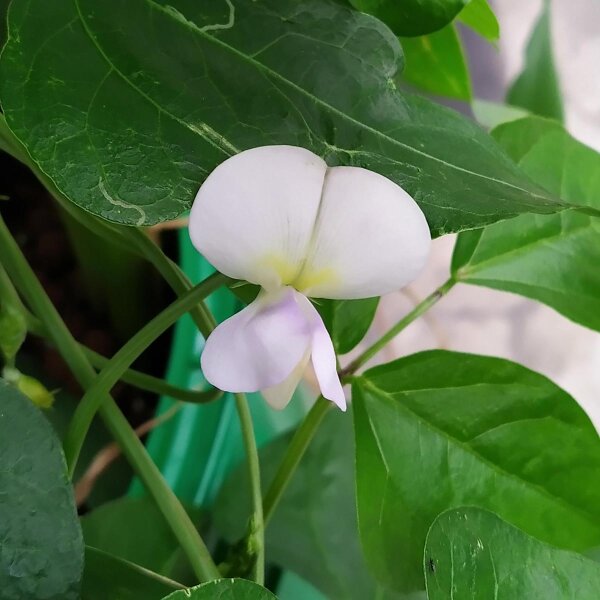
<point x="254" y="215"/>
<point x="323" y="355"/>
<point x="260" y="346"/>
<point x="371" y="238"/>
<point x="279" y="396"/>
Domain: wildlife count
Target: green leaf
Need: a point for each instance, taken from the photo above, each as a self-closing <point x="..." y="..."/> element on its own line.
<point x="13" y="331"/>
<point x="472" y="553"/>
<point x="478" y="15"/>
<point x="121" y="529"/>
<point x="3" y="17"/>
<point x="108" y="577"/>
<point x="317" y="512"/>
<point x="128" y="120"/>
<point x="224" y="589"/>
<point x="440" y="429"/>
<point x="552" y="259"/>
<point x="491" y="114"/>
<point x="537" y="88"/>
<point x="347" y="320"/>
<point x="42" y="547"/>
<point x="436" y="64"/>
<point x="412" y="17"/>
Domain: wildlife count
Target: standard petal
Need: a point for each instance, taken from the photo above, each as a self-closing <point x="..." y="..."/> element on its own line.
<point x="371" y="238"/>
<point x="280" y="395"/>
<point x="323" y="355"/>
<point x="260" y="346"/>
<point x="254" y="215"/>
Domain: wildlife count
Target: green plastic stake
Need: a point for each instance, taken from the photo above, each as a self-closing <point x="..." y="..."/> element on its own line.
<point x="197" y="448"/>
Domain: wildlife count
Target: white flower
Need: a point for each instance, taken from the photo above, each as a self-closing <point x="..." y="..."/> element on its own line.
<point x="279" y="217"/>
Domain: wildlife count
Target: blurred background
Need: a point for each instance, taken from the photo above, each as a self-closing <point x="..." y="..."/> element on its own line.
<point x="484" y="321"/>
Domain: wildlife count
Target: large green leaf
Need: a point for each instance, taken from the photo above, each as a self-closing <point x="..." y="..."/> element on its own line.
<point x="553" y="259"/>
<point x="478" y="15"/>
<point x="41" y="548"/>
<point x="107" y="577"/>
<point x="436" y="64"/>
<point x="412" y="17"/>
<point x="317" y="512"/>
<point x="439" y="429"/>
<point x="121" y="528"/>
<point x="537" y="88"/>
<point x="224" y="589"/>
<point x="473" y="554"/>
<point x="127" y="106"/>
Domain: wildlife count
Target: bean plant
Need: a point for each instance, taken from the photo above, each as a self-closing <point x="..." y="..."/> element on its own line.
<point x="307" y="150"/>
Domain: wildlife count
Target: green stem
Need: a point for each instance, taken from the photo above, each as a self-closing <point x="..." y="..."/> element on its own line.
<point x="175" y="277"/>
<point x="155" y="385"/>
<point x="293" y="455"/>
<point x="175" y="515"/>
<point x="123" y="359"/>
<point x="135" y="378"/>
<point x="387" y="337"/>
<point x="308" y="428"/>
<point x="256" y="535"/>
<point x="8" y="294"/>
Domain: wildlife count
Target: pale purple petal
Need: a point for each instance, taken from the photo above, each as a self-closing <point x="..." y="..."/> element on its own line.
<point x="280" y="395"/>
<point x="323" y="355"/>
<point x="260" y="346"/>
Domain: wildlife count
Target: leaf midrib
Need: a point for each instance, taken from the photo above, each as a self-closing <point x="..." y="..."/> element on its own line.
<point x="260" y="66"/>
<point x="592" y="519"/>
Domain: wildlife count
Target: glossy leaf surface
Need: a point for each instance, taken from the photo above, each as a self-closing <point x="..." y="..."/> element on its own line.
<point x="436" y="64"/>
<point x="472" y="553"/>
<point x="224" y="589"/>
<point x="440" y="429"/>
<point x="553" y="259"/>
<point x="412" y="17"/>
<point x="41" y="553"/>
<point x="128" y="106"/>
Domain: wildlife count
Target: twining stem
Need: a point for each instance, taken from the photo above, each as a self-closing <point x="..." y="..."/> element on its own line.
<point x="123" y="359"/>
<point x="135" y="378"/>
<point x="129" y="238"/>
<point x="256" y="535"/>
<point x="308" y="428"/>
<point x="293" y="455"/>
<point x="402" y="324"/>
<point x="174" y="513"/>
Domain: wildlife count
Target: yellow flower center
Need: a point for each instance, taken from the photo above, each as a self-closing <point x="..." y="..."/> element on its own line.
<point x="301" y="279"/>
